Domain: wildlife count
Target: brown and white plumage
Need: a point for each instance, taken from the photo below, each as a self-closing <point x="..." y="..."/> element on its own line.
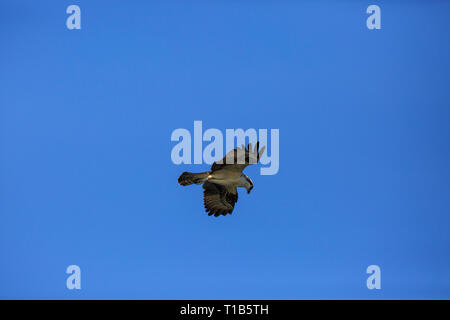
<point x="219" y="200"/>
<point x="221" y="182"/>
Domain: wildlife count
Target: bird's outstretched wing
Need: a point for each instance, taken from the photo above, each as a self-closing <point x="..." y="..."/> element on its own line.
<point x="218" y="199"/>
<point x="239" y="158"/>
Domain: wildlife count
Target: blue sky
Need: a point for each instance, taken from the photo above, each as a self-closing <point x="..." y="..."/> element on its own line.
<point x="87" y="178"/>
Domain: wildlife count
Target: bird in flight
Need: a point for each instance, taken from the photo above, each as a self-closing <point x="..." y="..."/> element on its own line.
<point x="221" y="182"/>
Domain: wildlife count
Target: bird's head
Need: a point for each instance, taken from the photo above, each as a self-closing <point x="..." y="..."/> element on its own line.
<point x="248" y="184"/>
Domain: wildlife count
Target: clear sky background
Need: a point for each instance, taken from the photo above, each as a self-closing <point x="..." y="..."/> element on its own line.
<point x="87" y="178"/>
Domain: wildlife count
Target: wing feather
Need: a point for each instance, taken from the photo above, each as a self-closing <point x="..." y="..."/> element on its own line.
<point x="239" y="158"/>
<point x="219" y="200"/>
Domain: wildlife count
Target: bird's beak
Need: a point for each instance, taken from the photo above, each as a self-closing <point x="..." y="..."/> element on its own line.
<point x="248" y="190"/>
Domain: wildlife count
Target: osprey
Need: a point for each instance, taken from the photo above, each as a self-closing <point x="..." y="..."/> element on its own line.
<point x="221" y="182"/>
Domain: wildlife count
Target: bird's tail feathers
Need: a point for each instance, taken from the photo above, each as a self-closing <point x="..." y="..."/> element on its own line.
<point x="188" y="178"/>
